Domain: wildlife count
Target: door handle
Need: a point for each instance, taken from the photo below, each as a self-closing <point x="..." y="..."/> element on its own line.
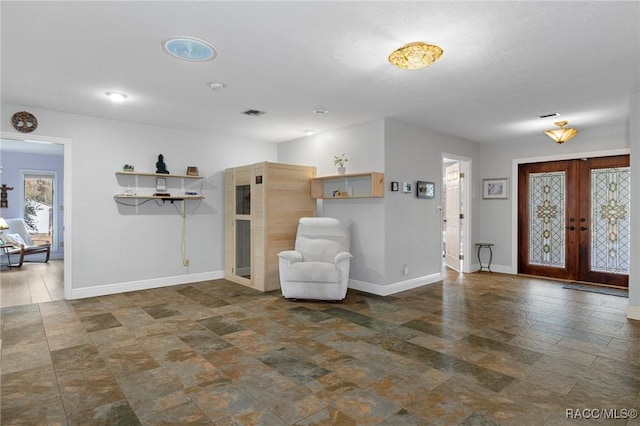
<point x="583" y="228"/>
<point x="571" y="228"/>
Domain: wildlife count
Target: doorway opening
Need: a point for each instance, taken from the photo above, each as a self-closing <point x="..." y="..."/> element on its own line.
<point x="39" y="167"/>
<point x="456" y="213"/>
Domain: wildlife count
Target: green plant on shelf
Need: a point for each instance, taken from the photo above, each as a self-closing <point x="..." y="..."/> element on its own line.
<point x="339" y="160"/>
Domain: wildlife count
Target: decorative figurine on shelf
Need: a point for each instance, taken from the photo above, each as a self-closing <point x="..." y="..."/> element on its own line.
<point x="127" y="168"/>
<point x="160" y="166"/>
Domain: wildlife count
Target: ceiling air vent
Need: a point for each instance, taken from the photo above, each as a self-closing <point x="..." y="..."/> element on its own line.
<point x="253" y="112"/>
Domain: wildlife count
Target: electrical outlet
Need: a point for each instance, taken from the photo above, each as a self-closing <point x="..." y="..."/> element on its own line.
<point x="185" y="262"/>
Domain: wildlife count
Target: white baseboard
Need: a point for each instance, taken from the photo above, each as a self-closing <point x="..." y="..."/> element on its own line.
<point x="503" y="269"/>
<point x="103" y="290"/>
<point x="633" y="312"/>
<point x="386" y="290"/>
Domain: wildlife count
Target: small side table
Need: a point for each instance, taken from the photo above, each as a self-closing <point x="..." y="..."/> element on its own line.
<point x="480" y="247"/>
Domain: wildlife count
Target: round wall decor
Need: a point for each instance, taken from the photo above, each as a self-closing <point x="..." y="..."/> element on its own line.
<point x="24" y="122"/>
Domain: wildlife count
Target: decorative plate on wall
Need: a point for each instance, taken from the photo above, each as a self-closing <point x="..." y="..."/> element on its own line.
<point x="24" y="122"/>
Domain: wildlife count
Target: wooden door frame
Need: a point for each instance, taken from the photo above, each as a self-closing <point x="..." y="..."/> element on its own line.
<point x="66" y="201"/>
<point x="515" y="163"/>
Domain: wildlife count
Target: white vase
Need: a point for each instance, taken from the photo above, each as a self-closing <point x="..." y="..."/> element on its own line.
<point x="342" y="170"/>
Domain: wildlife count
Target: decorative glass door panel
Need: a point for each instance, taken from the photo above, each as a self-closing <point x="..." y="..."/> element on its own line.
<point x="546" y="223"/>
<point x="610" y="195"/>
<point x="573" y="219"/>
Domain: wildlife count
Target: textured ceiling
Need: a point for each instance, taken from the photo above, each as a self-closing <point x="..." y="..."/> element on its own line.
<point x="504" y="64"/>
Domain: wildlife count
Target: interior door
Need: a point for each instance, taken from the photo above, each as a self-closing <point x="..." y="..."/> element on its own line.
<point x="573" y="220"/>
<point x="452" y="217"/>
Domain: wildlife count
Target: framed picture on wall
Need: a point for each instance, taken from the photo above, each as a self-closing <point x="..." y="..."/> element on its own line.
<point x="495" y="189"/>
<point x="406" y="187"/>
<point x="394" y="186"/>
<point x="426" y="189"/>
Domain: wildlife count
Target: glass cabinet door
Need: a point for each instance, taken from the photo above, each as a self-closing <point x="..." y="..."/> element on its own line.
<point x="243" y="231"/>
<point x="243" y="248"/>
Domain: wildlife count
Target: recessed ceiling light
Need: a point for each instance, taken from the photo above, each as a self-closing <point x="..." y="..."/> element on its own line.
<point x="309" y="132"/>
<point x="116" y="96"/>
<point x="320" y="111"/>
<point x="216" y="86"/>
<point x="189" y="48"/>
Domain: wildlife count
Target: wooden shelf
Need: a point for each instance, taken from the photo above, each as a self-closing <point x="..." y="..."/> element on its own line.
<point x="158" y="197"/>
<point x="363" y="185"/>
<point x="178" y="194"/>
<point x="159" y="175"/>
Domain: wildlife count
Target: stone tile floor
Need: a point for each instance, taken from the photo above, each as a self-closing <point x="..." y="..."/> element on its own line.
<point x="476" y="349"/>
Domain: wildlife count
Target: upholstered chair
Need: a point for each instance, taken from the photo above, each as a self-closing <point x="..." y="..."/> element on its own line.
<point x="318" y="267"/>
<point x="23" y="245"/>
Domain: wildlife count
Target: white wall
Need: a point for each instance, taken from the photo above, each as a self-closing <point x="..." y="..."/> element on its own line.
<point x="399" y="228"/>
<point x="496" y="160"/>
<point x="116" y="249"/>
<point x="633" y="310"/>
<point x="414" y="225"/>
<point x="363" y="145"/>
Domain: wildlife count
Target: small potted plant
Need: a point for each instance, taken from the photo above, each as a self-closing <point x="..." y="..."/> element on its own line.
<point x="339" y="161"/>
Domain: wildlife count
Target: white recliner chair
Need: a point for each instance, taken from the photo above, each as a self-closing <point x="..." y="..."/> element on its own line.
<point x="318" y="267"/>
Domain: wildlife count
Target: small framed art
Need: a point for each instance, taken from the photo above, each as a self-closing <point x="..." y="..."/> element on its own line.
<point x="406" y="186"/>
<point x="426" y="189"/>
<point x="394" y="186"/>
<point x="495" y="189"/>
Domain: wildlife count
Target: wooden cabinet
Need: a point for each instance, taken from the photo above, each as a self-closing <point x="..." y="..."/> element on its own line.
<point x="263" y="203"/>
<point x="357" y="185"/>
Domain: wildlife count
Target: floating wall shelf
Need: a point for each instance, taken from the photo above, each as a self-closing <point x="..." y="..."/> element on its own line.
<point x="181" y="196"/>
<point x="355" y="185"/>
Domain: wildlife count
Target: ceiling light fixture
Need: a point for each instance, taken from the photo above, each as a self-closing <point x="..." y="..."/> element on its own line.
<point x="416" y="55"/>
<point x="320" y="111"/>
<point x="189" y="48"/>
<point x="116" y="96"/>
<point x="561" y="135"/>
<point x="309" y="132"/>
<point x="254" y="112"/>
<point x="216" y="86"/>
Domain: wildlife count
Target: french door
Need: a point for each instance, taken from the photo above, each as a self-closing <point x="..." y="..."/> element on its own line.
<point x="573" y="220"/>
<point x="40" y="205"/>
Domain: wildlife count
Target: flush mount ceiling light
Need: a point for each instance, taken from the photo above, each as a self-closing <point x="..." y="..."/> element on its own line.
<point x="561" y="135"/>
<point x="216" y="86"/>
<point x="116" y="96"/>
<point x="320" y="111"/>
<point x="416" y="55"/>
<point x="189" y="48"/>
